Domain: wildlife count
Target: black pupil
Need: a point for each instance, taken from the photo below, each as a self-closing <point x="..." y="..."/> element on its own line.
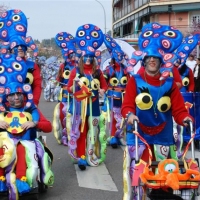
<point x="164" y="107"/>
<point x="17" y="66"/>
<point x="146" y="99"/>
<point x="170" y="33"/>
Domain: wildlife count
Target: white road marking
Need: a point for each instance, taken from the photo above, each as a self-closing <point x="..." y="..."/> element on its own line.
<point x="95" y="178"/>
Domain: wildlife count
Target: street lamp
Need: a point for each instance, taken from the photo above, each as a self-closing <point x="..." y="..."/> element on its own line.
<point x="104" y="13"/>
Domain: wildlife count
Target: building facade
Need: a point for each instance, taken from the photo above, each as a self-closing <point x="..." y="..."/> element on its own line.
<point x="129" y="16"/>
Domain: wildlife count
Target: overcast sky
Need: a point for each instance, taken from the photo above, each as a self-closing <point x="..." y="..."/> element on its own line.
<point x="49" y="17"/>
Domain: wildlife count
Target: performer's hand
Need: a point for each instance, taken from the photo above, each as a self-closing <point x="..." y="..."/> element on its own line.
<point x="101" y="92"/>
<point x="131" y="118"/>
<point x="186" y="119"/>
<point x="28" y="125"/>
<point x="4" y="125"/>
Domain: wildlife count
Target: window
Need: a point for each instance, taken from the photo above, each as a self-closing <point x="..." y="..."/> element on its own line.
<point x="127" y="28"/>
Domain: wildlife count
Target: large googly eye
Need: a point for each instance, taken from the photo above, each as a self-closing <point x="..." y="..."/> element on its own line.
<point x="144" y="101"/>
<point x="185" y="81"/>
<point x="85" y="81"/>
<point x="164" y="104"/>
<point x="17" y="66"/>
<point x="190" y="41"/>
<point x="123" y="80"/>
<point x="95" y="34"/>
<point x="66" y="74"/>
<point x="170" y="34"/>
<point x="148" y="33"/>
<point x="1" y="24"/>
<point x="16" y="18"/>
<point x="81" y="33"/>
<point x="29" y="78"/>
<point x="170" y="168"/>
<point x="2" y="69"/>
<point x="114" y="81"/>
<point x="95" y="84"/>
<point x="60" y="38"/>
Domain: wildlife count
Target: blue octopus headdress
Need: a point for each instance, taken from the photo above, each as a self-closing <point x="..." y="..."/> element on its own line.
<point x="159" y="41"/>
<point x="66" y="42"/>
<point x="13" y="29"/>
<point x="89" y="38"/>
<point x="114" y="49"/>
<point x="13" y="72"/>
<point x="186" y="47"/>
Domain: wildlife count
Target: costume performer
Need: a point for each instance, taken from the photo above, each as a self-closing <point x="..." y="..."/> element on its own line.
<point x="116" y="76"/>
<point x="152" y="97"/>
<point x="182" y="53"/>
<point x="61" y="120"/>
<point x="87" y="143"/>
<point x="19" y="119"/>
<point x="13" y="30"/>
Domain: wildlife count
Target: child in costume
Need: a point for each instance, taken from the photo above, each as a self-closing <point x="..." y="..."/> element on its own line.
<point x="19" y="117"/>
<point x="87" y="142"/>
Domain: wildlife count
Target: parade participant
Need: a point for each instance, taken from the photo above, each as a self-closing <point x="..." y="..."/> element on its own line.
<point x="84" y="134"/>
<point x="151" y="97"/>
<point x="182" y="53"/>
<point x="116" y="76"/>
<point x="187" y="76"/>
<point x="14" y="31"/>
<point x="20" y="119"/>
<point x="61" y="120"/>
<point x="190" y="62"/>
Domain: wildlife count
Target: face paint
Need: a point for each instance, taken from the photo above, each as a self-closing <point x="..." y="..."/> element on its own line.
<point x="88" y="59"/>
<point x="15" y="100"/>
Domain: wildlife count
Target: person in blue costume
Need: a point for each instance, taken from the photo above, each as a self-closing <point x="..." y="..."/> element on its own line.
<point x="61" y="120"/>
<point x="19" y="117"/>
<point x="88" y="81"/>
<point x="152" y="98"/>
<point x="117" y="77"/>
<point x="182" y="52"/>
<point x="13" y="31"/>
